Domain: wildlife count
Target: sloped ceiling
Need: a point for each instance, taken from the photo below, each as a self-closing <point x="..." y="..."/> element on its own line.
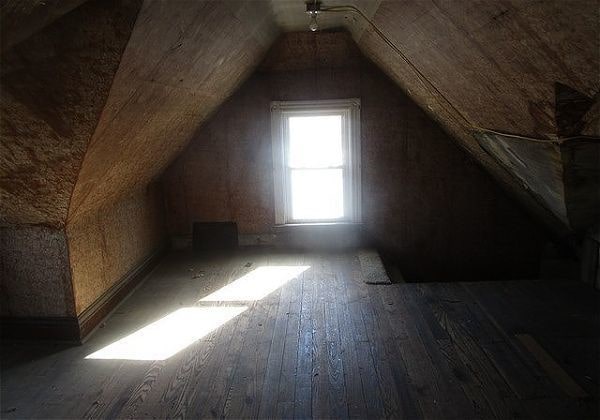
<point x="98" y="101"/>
<point x="497" y="61"/>
<point x="183" y="60"/>
<point x="497" y="64"/>
<point x="137" y="90"/>
<point x="21" y="18"/>
<point x="54" y="85"/>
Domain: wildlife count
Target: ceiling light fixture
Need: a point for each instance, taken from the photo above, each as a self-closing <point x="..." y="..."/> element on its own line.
<point x="313" y="9"/>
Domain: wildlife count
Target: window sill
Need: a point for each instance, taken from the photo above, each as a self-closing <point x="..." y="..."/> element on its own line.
<point x="317" y="224"/>
<point x="320" y="235"/>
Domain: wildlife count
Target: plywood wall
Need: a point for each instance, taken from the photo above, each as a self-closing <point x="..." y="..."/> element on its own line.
<point x="425" y="201"/>
<point x="108" y="243"/>
<point x="35" y="279"/>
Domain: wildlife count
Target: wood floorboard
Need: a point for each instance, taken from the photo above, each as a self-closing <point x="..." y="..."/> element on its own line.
<point x="352" y="379"/>
<point x="370" y="386"/>
<point x="407" y="393"/>
<point x="319" y="387"/>
<point x="335" y="370"/>
<point x="392" y="402"/>
<point x="437" y="392"/>
<point x="323" y="345"/>
<point x="304" y="357"/>
<point x="498" y="394"/>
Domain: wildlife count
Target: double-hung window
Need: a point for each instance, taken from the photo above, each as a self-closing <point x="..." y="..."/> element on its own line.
<point x="316" y="160"/>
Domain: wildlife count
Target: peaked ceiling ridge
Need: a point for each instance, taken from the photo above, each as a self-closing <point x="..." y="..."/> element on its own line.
<point x="166" y="96"/>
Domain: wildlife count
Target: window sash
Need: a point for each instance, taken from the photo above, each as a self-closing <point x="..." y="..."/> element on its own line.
<point x="344" y="166"/>
<point x="343" y="217"/>
<point x="315" y="113"/>
<point x="350" y="112"/>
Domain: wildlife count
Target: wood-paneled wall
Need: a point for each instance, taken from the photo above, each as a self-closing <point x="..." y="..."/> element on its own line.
<point x="425" y="201"/>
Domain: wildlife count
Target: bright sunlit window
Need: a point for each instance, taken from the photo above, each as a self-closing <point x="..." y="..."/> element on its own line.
<point x="316" y="152"/>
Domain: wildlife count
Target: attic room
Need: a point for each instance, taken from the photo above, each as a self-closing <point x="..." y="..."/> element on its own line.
<point x="300" y="209"/>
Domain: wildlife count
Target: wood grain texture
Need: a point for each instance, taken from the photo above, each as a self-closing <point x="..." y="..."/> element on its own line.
<point x="496" y="62"/>
<point x="324" y="344"/>
<point x="180" y="64"/>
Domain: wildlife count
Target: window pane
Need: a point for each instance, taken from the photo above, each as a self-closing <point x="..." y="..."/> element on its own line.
<point x="317" y="194"/>
<point x="315" y="142"/>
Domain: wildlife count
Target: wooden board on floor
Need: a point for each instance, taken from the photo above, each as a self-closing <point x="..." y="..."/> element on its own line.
<point x="323" y="343"/>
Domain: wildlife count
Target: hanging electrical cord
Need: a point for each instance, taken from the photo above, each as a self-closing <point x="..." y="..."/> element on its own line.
<point x="427" y="84"/>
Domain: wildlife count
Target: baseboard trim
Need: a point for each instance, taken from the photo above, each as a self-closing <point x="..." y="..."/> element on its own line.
<point x="76" y="329"/>
<point x="93" y="315"/>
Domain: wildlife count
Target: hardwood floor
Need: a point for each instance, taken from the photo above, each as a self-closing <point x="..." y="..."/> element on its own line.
<point x="323" y="345"/>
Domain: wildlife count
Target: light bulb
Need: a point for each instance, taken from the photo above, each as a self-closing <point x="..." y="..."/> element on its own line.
<point x="313" y="25"/>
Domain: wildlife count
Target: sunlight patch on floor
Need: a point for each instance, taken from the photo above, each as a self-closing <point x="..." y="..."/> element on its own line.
<point x="256" y="284"/>
<point x="169" y="335"/>
<point x="176" y="331"/>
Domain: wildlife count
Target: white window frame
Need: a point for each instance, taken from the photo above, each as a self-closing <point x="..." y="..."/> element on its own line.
<point x="349" y="109"/>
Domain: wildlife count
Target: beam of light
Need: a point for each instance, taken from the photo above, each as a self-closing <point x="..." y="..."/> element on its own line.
<point x="256" y="284"/>
<point x="169" y="335"/>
